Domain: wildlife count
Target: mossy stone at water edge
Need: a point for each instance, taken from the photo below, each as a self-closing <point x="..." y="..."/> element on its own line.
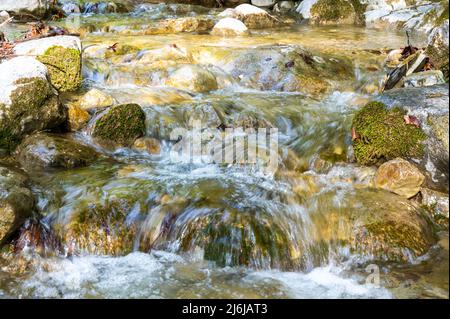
<point x="121" y="124"/>
<point x="64" y="67"/>
<point x="338" y="12"/>
<point x="384" y="135"/>
<point x="34" y="107"/>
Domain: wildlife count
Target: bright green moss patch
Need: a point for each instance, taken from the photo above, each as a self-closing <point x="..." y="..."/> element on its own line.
<point x="64" y="67"/>
<point x="121" y="124"/>
<point x="384" y="135"/>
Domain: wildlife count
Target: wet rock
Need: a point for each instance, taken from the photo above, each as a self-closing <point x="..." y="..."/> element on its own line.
<point x="418" y="15"/>
<point x="437" y="49"/>
<point x="120" y="125"/>
<point x="229" y="27"/>
<point x="178" y="25"/>
<point x="70" y="8"/>
<point x="77" y="117"/>
<point x="27" y="101"/>
<point x="104" y="7"/>
<point x="148" y="144"/>
<point x="399" y="176"/>
<point x="430" y="106"/>
<point x="4" y="16"/>
<point x="435" y="201"/>
<point x="254" y="17"/>
<point x="95" y="98"/>
<point x="193" y="78"/>
<point x="334" y="12"/>
<point x="284" y="6"/>
<point x="426" y="78"/>
<point x="289" y="69"/>
<point x="373" y="223"/>
<point x="382" y="134"/>
<point x="16" y="201"/>
<point x="170" y="53"/>
<point x="263" y="3"/>
<point x="61" y="55"/>
<point x="23" y="7"/>
<point x="44" y="150"/>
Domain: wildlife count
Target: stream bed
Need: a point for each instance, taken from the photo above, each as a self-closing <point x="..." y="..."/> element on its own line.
<point x="233" y="231"/>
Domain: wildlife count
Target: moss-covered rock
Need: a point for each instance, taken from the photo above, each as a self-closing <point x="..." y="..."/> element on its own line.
<point x="52" y="151"/>
<point x="337" y="12"/>
<point x="121" y="124"/>
<point x="64" y="67"/>
<point x="383" y="135"/>
<point x="16" y="201"/>
<point x="27" y="101"/>
<point x="376" y="224"/>
<point x="240" y="238"/>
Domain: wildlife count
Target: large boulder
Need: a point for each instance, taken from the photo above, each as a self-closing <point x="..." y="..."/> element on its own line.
<point x="16" y="201"/>
<point x="119" y="125"/>
<point x="61" y="55"/>
<point x="44" y="150"/>
<point x="28" y="102"/>
<point x="399" y="176"/>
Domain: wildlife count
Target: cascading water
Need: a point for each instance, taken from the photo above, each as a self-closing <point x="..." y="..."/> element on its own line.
<point x="135" y="224"/>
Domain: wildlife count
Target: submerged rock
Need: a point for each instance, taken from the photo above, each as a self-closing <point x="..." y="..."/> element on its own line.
<point x="120" y="125"/>
<point x="289" y="69"/>
<point x="53" y="151"/>
<point x="16" y="201"/>
<point x="376" y="224"/>
<point x="229" y="27"/>
<point x="27" y="101"/>
<point x="61" y="55"/>
<point x="399" y="176"/>
<point x="178" y="25"/>
<point x="193" y="78"/>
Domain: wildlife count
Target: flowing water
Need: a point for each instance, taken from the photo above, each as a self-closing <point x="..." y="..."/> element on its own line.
<point x="205" y="230"/>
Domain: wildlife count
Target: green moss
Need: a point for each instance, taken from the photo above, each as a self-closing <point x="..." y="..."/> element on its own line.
<point x="384" y="135"/>
<point x="331" y="10"/>
<point x="64" y="67"/>
<point x="121" y="124"/>
<point x="27" y="100"/>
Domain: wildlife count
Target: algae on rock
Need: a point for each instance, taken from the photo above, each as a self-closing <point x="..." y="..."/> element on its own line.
<point x="384" y="135"/>
<point x="64" y="67"/>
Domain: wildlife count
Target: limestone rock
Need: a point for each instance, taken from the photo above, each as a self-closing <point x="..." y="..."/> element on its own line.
<point x="399" y="176"/>
<point x="229" y="27"/>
